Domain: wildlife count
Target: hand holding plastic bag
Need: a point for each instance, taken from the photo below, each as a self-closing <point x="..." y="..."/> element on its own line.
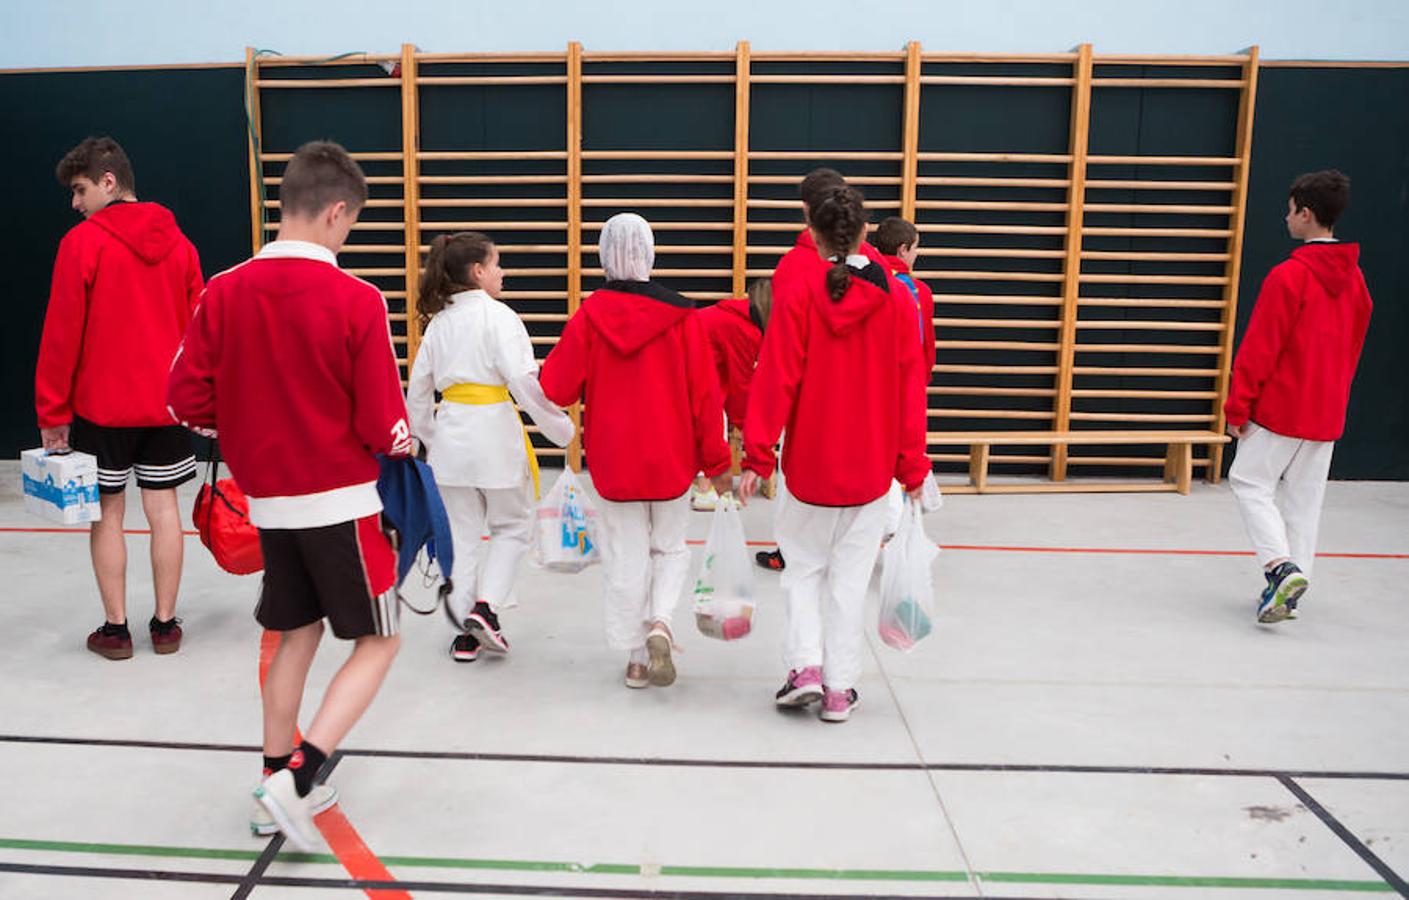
<point x="565" y="527"/>
<point x="907" y="589"/>
<point x="724" y="589"/>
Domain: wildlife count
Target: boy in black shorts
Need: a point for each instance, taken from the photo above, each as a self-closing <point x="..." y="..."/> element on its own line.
<point x="290" y="359"/>
<point x="125" y="282"/>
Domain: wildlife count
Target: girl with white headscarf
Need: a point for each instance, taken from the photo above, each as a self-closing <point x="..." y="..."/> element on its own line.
<point x="638" y="357"/>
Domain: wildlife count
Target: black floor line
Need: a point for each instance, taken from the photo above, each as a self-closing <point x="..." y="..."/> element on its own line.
<point x="125" y="874"/>
<point x="253" y="877"/>
<point x="1354" y="843"/>
<point x="665" y="762"/>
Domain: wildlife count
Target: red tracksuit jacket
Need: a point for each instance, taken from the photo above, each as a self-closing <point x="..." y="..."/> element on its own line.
<point x="290" y="360"/>
<point x="125" y="283"/>
<point x="1293" y="371"/>
<point x="636" y="353"/>
<point x="924" y="308"/>
<point x="735" y="337"/>
<point x="847" y="380"/>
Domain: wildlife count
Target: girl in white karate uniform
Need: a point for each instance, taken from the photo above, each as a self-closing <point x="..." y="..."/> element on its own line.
<point x="476" y="353"/>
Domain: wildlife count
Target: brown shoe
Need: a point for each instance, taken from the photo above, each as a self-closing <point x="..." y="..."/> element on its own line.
<point x="661" y="668"/>
<point x="109" y="643"/>
<point x="636" y="676"/>
<point x="166" y="636"/>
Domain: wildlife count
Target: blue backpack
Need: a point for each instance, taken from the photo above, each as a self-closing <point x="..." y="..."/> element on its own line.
<point x="412" y="506"/>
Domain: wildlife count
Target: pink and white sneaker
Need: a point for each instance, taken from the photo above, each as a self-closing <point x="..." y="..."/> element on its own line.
<point x="837" y="705"/>
<point x="803" y="686"/>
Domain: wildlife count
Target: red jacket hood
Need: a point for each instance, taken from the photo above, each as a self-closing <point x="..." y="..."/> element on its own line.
<point x="737" y="307"/>
<point x="631" y="314"/>
<point x="1333" y="264"/>
<point x="147" y="229"/>
<point x="861" y="300"/>
<point x="895" y="264"/>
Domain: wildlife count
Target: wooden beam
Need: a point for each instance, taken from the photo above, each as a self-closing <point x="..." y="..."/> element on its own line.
<point x="1235" y="251"/>
<point x="910" y="139"/>
<point x="574" y="216"/>
<point x="742" y="67"/>
<point x="978" y="466"/>
<point x="411" y="193"/>
<point x="255" y="164"/>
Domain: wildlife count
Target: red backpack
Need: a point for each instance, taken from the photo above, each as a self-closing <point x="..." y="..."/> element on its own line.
<point x="222" y="516"/>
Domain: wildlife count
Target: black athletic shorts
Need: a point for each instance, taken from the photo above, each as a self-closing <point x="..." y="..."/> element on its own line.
<point x="345" y="573"/>
<point x="161" y="456"/>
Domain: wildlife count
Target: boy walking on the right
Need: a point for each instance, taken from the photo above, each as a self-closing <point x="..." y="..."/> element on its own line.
<point x="1290" y="386"/>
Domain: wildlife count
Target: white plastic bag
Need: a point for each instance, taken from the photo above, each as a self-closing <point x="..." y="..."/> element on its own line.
<point x="907" y="590"/>
<point x="724" y="589"/>
<point x="565" y="527"/>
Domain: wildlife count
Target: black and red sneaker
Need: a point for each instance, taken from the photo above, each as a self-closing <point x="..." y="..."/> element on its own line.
<point x="464" y="649"/>
<point x="111" y="641"/>
<point x="166" y="636"/>
<point x="772" y="560"/>
<point x="483" y="625"/>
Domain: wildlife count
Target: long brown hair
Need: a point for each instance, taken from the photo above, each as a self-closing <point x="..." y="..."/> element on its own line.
<point x="761" y="301"/>
<point x="839" y="220"/>
<point x="447" y="271"/>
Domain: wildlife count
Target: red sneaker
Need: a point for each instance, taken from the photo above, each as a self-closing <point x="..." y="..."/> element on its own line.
<point x="166" y="636"/>
<point x="112" y="644"/>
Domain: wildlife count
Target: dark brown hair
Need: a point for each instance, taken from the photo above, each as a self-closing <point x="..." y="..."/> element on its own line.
<point x="894" y="233"/>
<point x="817" y="183"/>
<point x="1325" y="193"/>
<point x="839" y="219"/>
<point x="92" y="158"/>
<point x="447" y="270"/>
<point x="761" y="301"/>
<point x="320" y="174"/>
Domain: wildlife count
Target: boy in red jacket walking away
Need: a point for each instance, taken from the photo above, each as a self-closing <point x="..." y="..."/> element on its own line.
<point x="636" y="353"/>
<point x="290" y="360"/>
<point x="125" y="283"/>
<point x="842" y="370"/>
<point x="735" y="329"/>
<point x="899" y="243"/>
<point x="1290" y="386"/>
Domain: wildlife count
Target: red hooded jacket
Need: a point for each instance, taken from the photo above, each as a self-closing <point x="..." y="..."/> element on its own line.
<point x="923" y="301"/>
<point x="291" y="360"/>
<point x="125" y="283"/>
<point x="735" y="337"/>
<point x="846" y="378"/>
<point x="1293" y="371"/>
<point x="638" y="356"/>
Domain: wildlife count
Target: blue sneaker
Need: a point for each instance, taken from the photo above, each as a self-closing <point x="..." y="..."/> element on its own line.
<point x="1285" y="586"/>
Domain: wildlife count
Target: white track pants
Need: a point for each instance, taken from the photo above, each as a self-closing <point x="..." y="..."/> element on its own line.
<point x="1280" y="482"/>
<point x="646" y="566"/>
<point x="487" y="571"/>
<point x="830" y="552"/>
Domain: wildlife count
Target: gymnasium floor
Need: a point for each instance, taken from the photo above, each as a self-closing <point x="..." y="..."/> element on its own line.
<point x="1098" y="715"/>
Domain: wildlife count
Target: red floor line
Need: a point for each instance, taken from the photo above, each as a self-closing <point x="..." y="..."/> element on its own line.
<point x="987" y="548"/>
<point x="354" y="854"/>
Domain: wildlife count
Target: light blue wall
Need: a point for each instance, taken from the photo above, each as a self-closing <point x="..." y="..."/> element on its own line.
<point x="141" y="32"/>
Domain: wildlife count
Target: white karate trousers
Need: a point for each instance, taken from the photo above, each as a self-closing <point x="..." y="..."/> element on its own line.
<point x="646" y="565"/>
<point x="486" y="571"/>
<point x="1280" y="482"/>
<point x="830" y="552"/>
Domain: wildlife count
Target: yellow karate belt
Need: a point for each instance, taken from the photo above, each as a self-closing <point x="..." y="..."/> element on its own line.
<point x="487" y="395"/>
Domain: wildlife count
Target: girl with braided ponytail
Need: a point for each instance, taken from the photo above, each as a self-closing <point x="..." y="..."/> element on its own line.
<point x="476" y="353"/>
<point x="842" y="370"/>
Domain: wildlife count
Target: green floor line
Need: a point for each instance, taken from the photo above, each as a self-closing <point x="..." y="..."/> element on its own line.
<point x="899" y="875"/>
